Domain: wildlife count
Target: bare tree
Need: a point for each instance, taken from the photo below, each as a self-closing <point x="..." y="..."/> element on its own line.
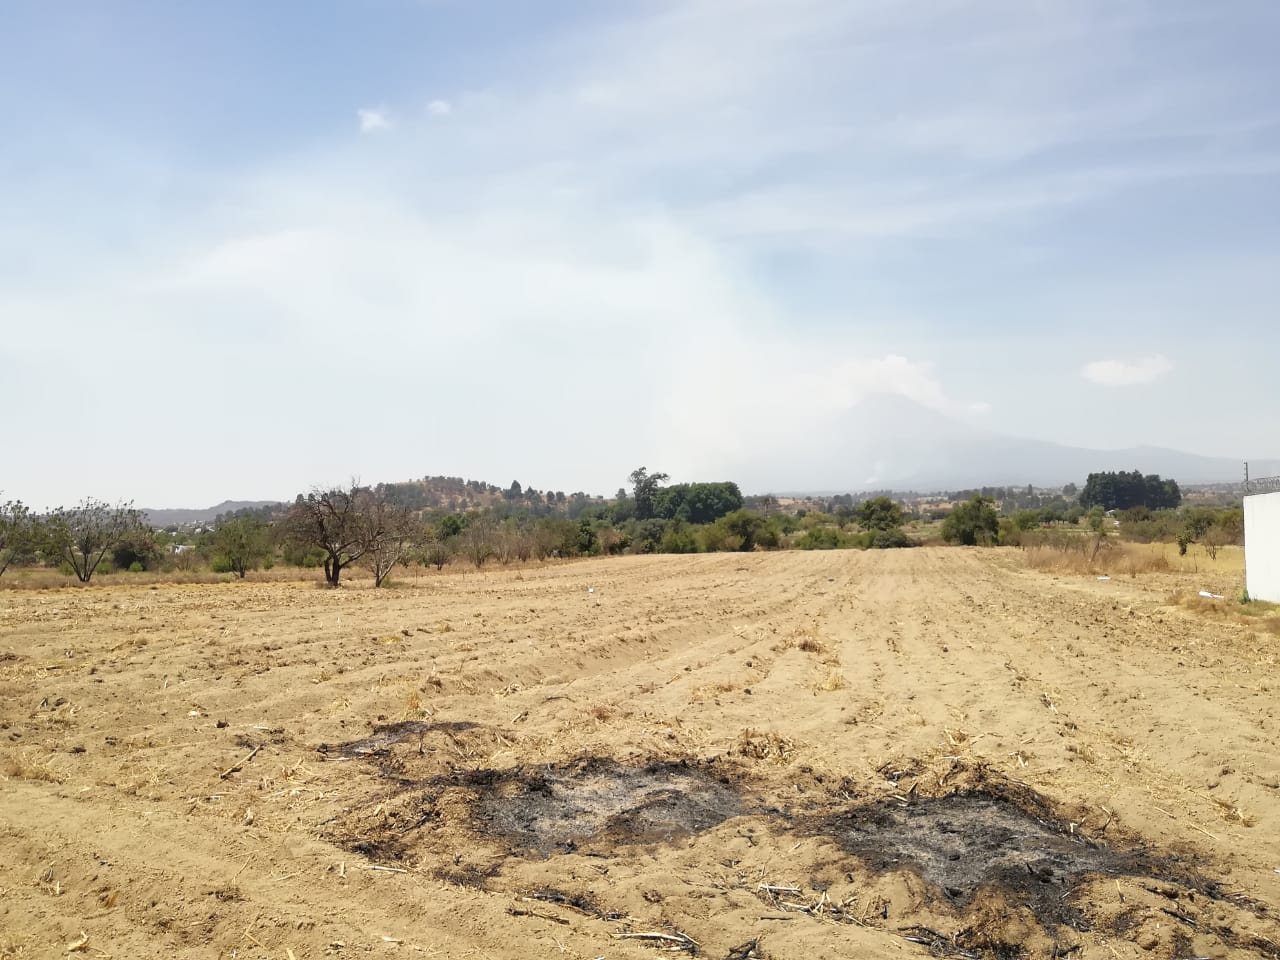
<point x="331" y="520"/>
<point x="390" y="534"/>
<point x="83" y="535"/>
<point x="436" y="552"/>
<point x="477" y="541"/>
<point x="1213" y="538"/>
<point x="17" y="532"/>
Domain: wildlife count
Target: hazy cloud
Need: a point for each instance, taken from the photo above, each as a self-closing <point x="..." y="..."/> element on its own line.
<point x="1122" y="373"/>
<point x="373" y="119"/>
<point x="669" y="230"/>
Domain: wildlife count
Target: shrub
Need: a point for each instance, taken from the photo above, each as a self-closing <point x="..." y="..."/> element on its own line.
<point x="679" y="538"/>
<point x="819" y="538"/>
<point x="716" y="537"/>
<point x="973" y="523"/>
<point x="891" y="539"/>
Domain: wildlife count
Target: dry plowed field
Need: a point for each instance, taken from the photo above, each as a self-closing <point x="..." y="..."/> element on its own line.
<point x="797" y="755"/>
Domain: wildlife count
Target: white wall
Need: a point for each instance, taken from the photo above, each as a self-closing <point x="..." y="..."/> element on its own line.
<point x="1262" y="546"/>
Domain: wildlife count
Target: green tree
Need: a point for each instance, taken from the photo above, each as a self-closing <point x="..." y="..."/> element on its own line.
<point x="644" y="490"/>
<point x="878" y="513"/>
<point x="973" y="523"/>
<point x="451" y="525"/>
<point x="750" y="530"/>
<point x="17" y="533"/>
<point x="697" y="503"/>
<point x="1097" y="519"/>
<point x="586" y="542"/>
<point x="1120" y="491"/>
<point x="240" y="544"/>
<point x="83" y="535"/>
<point x="136" y="550"/>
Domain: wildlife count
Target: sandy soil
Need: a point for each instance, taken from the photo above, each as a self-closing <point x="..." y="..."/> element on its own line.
<point x="882" y="754"/>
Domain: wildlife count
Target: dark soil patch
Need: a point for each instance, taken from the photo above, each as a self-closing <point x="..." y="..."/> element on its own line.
<point x="567" y="807"/>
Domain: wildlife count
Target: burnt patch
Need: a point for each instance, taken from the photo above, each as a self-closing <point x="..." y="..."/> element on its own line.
<point x="474" y="876"/>
<point x="962" y="843"/>
<point x="598" y="802"/>
<point x="998" y="850"/>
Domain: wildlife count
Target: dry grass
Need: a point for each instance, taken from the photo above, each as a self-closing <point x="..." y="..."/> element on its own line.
<point x="807" y="639"/>
<point x="1082" y="555"/>
<point x="764" y="745"/>
<point x="27" y="766"/>
<point x="833" y="681"/>
<point x="1255" y="614"/>
<point x="709" y="691"/>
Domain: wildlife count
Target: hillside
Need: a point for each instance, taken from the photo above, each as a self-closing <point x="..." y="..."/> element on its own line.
<point x="178" y="516"/>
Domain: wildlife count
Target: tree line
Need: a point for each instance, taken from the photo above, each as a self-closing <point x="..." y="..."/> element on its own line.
<point x="380" y="528"/>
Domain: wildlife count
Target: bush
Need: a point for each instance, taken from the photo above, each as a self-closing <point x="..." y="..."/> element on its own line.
<point x="891" y="539"/>
<point x="679" y="538"/>
<point x="716" y="538"/>
<point x="973" y="523"/>
<point x="136" y="567"/>
<point x="1012" y="534"/>
<point x="819" y="538"/>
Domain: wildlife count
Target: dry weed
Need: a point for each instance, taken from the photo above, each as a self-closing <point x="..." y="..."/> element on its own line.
<point x="1264" y="616"/>
<point x="807" y="639"/>
<point x="26" y="766"/>
<point x="710" y="690"/>
<point x="764" y="745"/>
<point x="834" y="681"/>
<point x="1084" y="556"/>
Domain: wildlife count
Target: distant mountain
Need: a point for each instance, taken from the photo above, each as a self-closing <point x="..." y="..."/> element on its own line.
<point x="164" y="518"/>
<point x="889" y="442"/>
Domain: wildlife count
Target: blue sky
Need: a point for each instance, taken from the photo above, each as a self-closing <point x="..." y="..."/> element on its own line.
<point x="248" y="247"/>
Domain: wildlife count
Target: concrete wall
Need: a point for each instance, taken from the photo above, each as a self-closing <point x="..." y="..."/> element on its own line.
<point x="1262" y="546"/>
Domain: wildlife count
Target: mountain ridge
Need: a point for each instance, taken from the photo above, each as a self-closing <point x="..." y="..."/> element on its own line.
<point x="887" y="441"/>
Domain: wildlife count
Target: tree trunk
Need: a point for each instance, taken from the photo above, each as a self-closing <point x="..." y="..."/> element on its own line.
<point x="332" y="571"/>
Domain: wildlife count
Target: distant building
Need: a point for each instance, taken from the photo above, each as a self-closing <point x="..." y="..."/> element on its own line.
<point x="1262" y="546"/>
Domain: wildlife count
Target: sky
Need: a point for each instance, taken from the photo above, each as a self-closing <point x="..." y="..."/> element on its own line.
<point x="247" y="248"/>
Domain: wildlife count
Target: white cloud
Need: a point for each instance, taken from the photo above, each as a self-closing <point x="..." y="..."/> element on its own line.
<point x="373" y="119"/>
<point x="979" y="408"/>
<point x="1122" y="373"/>
<point x="439" y="108"/>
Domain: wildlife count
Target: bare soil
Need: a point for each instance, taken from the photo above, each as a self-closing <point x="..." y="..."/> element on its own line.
<point x="884" y="754"/>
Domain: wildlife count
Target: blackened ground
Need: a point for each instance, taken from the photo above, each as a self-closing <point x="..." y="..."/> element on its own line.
<point x="598" y="799"/>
